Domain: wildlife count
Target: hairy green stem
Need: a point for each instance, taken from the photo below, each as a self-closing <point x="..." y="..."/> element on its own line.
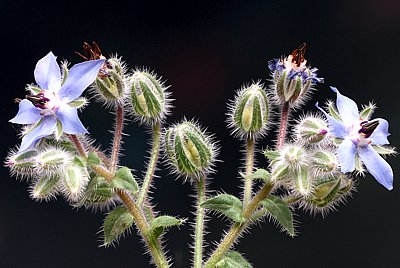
<point x="283" y="125"/>
<point x="119" y="125"/>
<point x="155" y="150"/>
<point x="199" y="228"/>
<point x="154" y="245"/>
<point x="248" y="183"/>
<point x="238" y="228"/>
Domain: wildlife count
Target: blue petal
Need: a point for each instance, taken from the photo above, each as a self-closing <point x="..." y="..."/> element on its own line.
<point x="27" y="113"/>
<point x="47" y="73"/>
<point x="45" y="128"/>
<point x="377" y="166"/>
<point x="380" y="134"/>
<point x="79" y="78"/>
<point x="347" y="108"/>
<point x="346" y="155"/>
<point x="336" y="128"/>
<point x="71" y="124"/>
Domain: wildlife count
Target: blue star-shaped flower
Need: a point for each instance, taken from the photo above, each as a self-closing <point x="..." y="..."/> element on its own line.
<point x="50" y="106"/>
<point x="358" y="136"/>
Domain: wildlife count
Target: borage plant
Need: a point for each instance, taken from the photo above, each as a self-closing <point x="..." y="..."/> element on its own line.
<point x="312" y="167"/>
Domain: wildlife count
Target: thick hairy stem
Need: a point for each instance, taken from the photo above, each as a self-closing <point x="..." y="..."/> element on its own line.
<point x="283" y="125"/>
<point x="155" y="150"/>
<point x="199" y="228"/>
<point x="119" y="125"/>
<point x="248" y="183"/>
<point x="238" y="228"/>
<point x="153" y="245"/>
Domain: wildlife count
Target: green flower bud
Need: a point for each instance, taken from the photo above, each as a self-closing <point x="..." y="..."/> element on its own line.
<point x="324" y="161"/>
<point x="289" y="90"/>
<point x="249" y="112"/>
<point x="325" y="190"/>
<point x="110" y="83"/>
<point x="52" y="158"/>
<point x="311" y="130"/>
<point x="280" y="171"/>
<point x="149" y="97"/>
<point x="303" y="182"/>
<point x="23" y="163"/>
<point x="74" y="181"/>
<point x="294" y="156"/>
<point x="189" y="150"/>
<point x="45" y="188"/>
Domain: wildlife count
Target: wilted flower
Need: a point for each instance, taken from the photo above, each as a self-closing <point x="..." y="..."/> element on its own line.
<point x="358" y="135"/>
<point x="48" y="109"/>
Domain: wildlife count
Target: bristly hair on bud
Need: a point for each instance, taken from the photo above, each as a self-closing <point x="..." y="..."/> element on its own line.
<point x="149" y="99"/>
<point x="330" y="190"/>
<point x="188" y="150"/>
<point x="22" y="165"/>
<point x="249" y="112"/>
<point x="311" y="129"/>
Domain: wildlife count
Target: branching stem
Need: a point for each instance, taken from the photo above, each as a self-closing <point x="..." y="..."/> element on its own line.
<point x="237" y="228"/>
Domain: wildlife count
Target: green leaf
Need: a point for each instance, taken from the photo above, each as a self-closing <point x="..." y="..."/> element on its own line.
<point x="228" y="205"/>
<point x="233" y="259"/>
<point x="280" y="211"/>
<point x="271" y="154"/>
<point x="115" y="224"/>
<point x="260" y="174"/>
<point x="159" y="224"/>
<point x="93" y="159"/>
<point x="124" y="180"/>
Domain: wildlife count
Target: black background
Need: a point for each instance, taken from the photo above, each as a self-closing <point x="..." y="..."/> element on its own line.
<point x="205" y="51"/>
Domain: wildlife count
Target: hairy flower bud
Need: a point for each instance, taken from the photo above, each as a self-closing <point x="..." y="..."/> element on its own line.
<point x="74" y="180"/>
<point x="110" y="83"/>
<point x="294" y="155"/>
<point x="52" y="158"/>
<point x="249" y="112"/>
<point x="311" y="130"/>
<point x="22" y="164"/>
<point x="303" y="182"/>
<point x="45" y="187"/>
<point x="149" y="97"/>
<point x="189" y="150"/>
<point x="324" y="161"/>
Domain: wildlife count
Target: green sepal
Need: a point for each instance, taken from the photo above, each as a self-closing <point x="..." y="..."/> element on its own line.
<point x="367" y="111"/>
<point x="24" y="160"/>
<point x="325" y="192"/>
<point x="45" y="187"/>
<point x="73" y="178"/>
<point x="98" y="191"/>
<point x="78" y="103"/>
<point x="159" y="224"/>
<point x="65" y="73"/>
<point x="59" y="130"/>
<point x="93" y="159"/>
<point x="272" y="154"/>
<point x="384" y="150"/>
<point x="302" y="181"/>
<point x="280" y="211"/>
<point x="33" y="89"/>
<point x="233" y="259"/>
<point x="333" y="112"/>
<point x="115" y="224"/>
<point x="260" y="174"/>
<point x="226" y="204"/>
<point x="124" y="180"/>
<point x="77" y="160"/>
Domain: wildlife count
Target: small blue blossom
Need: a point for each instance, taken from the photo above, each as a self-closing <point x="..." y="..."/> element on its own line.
<point x="295" y="66"/>
<point x="358" y="136"/>
<point x="49" y="108"/>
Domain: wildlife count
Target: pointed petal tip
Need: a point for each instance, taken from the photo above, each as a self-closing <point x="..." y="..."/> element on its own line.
<point x="334" y="89"/>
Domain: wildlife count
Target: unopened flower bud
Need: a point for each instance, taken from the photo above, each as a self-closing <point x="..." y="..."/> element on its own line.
<point x="311" y="130"/>
<point x="325" y="190"/>
<point x="52" y="158"/>
<point x="75" y="179"/>
<point x="148" y="96"/>
<point x="280" y="171"/>
<point x="294" y="155"/>
<point x="45" y="187"/>
<point x="110" y="83"/>
<point x="303" y="182"/>
<point x="189" y="150"/>
<point x="324" y="161"/>
<point x="249" y="112"/>
<point x="22" y="163"/>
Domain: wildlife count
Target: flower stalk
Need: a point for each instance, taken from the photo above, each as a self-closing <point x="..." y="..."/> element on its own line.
<point x="199" y="228"/>
<point x="119" y="125"/>
<point x="155" y="150"/>
<point x="248" y="183"/>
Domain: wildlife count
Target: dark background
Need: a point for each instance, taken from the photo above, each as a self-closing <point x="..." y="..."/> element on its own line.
<point x="205" y="51"/>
